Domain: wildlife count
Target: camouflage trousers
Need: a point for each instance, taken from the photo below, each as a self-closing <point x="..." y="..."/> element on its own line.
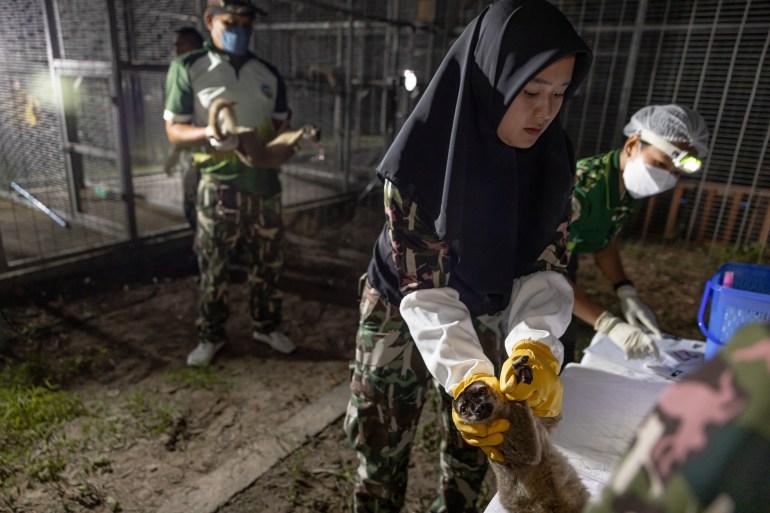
<point x="388" y="391"/>
<point x="229" y="220"/>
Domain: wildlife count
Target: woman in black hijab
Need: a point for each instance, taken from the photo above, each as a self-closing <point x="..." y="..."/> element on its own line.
<point x="467" y="273"/>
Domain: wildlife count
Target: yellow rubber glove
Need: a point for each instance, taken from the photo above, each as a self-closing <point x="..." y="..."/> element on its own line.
<point x="483" y="436"/>
<point x="544" y="391"/>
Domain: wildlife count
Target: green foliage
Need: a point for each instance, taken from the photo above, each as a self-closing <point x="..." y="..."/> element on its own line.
<point x="88" y="363"/>
<point x="747" y="253"/>
<point x="32" y="414"/>
<point x="35" y="370"/>
<point x="154" y="416"/>
<point x="40" y="443"/>
<point x="32" y="437"/>
<point x="207" y="377"/>
<point x="46" y="468"/>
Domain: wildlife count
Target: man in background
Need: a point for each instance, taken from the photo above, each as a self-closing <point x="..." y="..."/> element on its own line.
<point x="663" y="143"/>
<point x="187" y="39"/>
<point x="238" y="205"/>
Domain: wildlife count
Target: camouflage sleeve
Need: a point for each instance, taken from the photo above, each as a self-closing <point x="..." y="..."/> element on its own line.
<point x="555" y="256"/>
<point x="421" y="258"/>
<point x="706" y="444"/>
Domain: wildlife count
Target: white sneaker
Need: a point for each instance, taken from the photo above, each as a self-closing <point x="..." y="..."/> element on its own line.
<point x="276" y="340"/>
<point x="203" y="354"/>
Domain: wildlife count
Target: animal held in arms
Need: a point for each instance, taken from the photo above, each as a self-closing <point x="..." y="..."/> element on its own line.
<point x="251" y="150"/>
<point x="535" y="477"/>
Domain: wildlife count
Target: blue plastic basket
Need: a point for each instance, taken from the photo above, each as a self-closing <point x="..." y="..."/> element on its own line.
<point x="746" y="301"/>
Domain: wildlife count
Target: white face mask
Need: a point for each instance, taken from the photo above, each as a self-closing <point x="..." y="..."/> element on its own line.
<point x="643" y="180"/>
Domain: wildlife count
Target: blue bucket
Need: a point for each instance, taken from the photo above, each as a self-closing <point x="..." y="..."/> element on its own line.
<point x="739" y="294"/>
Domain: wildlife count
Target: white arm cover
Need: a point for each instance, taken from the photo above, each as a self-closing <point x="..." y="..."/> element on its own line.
<point x="540" y="309"/>
<point x="441" y="327"/>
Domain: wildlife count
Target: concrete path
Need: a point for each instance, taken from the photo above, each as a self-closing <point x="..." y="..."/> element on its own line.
<point x="212" y="491"/>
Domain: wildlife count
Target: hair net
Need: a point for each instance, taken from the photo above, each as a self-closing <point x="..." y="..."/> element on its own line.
<point x="674" y="123"/>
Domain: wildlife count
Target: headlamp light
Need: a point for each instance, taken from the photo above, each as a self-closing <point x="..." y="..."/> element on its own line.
<point x="687" y="163"/>
<point x="683" y="160"/>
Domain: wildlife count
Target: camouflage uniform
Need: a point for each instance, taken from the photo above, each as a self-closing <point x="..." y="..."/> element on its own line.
<point x="598" y="215"/>
<point x="252" y="225"/>
<point x="238" y="208"/>
<point x="389" y="370"/>
<point x="706" y="445"/>
<point x="598" y="211"/>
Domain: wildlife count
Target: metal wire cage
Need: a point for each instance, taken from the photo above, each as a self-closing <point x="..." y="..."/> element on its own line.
<point x="83" y="145"/>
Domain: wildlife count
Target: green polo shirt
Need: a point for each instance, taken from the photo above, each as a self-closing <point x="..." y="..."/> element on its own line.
<point x="598" y="211"/>
<point x="195" y="79"/>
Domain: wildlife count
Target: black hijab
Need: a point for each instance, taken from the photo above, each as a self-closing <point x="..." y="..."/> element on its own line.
<point x="496" y="206"/>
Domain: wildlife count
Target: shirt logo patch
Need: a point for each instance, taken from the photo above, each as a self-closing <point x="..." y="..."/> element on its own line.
<point x="266" y="91"/>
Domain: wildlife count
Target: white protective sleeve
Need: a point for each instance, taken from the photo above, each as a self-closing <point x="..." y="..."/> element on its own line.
<point x="540" y="309"/>
<point x="440" y="324"/>
<point x="441" y="327"/>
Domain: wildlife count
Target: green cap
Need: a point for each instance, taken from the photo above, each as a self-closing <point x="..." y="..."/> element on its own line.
<point x="232" y="7"/>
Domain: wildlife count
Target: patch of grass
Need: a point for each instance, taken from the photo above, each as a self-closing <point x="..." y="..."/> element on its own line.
<point x="746" y="253"/>
<point x="32" y="414"/>
<point x="207" y="377"/>
<point x="35" y="370"/>
<point x="102" y="425"/>
<point x="154" y="416"/>
<point x="50" y="438"/>
<point x="88" y="363"/>
<point x="31" y="435"/>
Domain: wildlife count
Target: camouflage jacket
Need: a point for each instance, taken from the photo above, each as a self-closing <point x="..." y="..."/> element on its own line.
<point x="598" y="211"/>
<point x="422" y="259"/>
<point x="706" y="444"/>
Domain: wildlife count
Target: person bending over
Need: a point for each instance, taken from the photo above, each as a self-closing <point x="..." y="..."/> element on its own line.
<point x="663" y="143"/>
<point x="466" y="276"/>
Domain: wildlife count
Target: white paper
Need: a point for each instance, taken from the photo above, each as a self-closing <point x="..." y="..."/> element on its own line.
<point x="679" y="356"/>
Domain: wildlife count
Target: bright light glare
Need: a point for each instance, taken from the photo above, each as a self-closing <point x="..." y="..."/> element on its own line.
<point x="410" y="80"/>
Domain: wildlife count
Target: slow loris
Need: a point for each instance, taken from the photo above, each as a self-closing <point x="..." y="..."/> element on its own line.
<point x="535" y="477"/>
<point x="251" y="151"/>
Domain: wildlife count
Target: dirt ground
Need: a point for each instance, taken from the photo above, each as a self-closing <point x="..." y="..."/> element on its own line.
<point x="156" y="427"/>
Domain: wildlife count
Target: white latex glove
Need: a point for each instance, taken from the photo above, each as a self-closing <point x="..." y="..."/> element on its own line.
<point x="631" y="339"/>
<point x="229" y="143"/>
<point x="637" y="313"/>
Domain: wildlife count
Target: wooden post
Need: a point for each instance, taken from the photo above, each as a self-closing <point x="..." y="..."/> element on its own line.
<point x="673" y="210"/>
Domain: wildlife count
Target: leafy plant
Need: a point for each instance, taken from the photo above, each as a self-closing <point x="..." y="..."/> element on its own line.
<point x="32" y="438"/>
<point x="34" y="370"/>
<point x="154" y="416"/>
<point x="206" y="377"/>
<point x="32" y="414"/>
<point x="745" y="253"/>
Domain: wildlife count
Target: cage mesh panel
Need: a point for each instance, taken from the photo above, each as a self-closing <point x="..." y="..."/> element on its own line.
<point x="685" y="55"/>
<point x="83" y="27"/>
<point x="149" y="144"/>
<point x="30" y="142"/>
<point x="698" y="73"/>
<point x="92" y="111"/>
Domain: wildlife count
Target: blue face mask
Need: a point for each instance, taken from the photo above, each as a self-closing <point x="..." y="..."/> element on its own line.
<point x="235" y="40"/>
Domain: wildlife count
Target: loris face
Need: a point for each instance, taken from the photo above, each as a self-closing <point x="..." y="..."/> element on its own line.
<point x="477" y="403"/>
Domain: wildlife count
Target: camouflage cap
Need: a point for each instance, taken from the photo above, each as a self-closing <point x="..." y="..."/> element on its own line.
<point x="231" y="7"/>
